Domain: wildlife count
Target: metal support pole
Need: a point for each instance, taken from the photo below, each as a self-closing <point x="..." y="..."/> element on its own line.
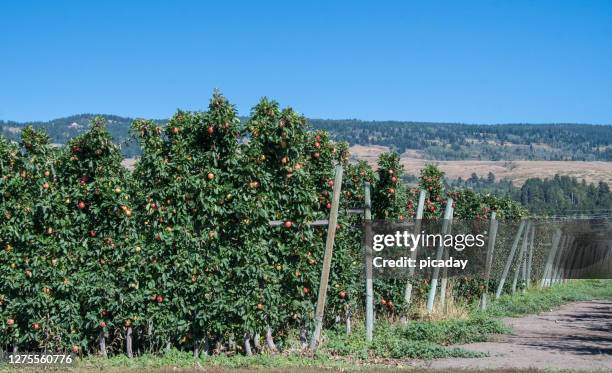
<point x="502" y="281"/>
<point x="369" y="316"/>
<point x="436" y="271"/>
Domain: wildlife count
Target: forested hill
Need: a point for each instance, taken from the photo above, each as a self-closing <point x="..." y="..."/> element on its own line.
<point x="63" y="129"/>
<point x="456" y="141"/>
<point x="440" y="141"/>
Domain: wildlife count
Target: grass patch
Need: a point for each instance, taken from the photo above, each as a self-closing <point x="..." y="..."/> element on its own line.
<point x="182" y="361"/>
<point x="419" y="339"/>
<point x="446" y="332"/>
<point x="536" y="300"/>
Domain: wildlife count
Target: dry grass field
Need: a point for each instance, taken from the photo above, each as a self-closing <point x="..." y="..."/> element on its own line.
<point x="517" y="171"/>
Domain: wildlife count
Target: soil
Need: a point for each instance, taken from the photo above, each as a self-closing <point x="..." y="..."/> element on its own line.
<point x="577" y="336"/>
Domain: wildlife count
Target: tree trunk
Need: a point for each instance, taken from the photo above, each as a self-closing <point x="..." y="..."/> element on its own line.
<point x="256" y="342"/>
<point x="270" y="340"/>
<point x="247" y="345"/>
<point x="128" y="342"/>
<point x="348" y="320"/>
<point x="102" y="343"/>
<point x="304" y="339"/>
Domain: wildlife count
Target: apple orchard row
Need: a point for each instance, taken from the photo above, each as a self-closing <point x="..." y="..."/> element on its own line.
<point x="179" y="252"/>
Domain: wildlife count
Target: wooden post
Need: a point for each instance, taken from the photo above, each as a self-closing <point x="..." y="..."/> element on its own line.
<point x="413" y="253"/>
<point x="327" y="258"/>
<point x="369" y="306"/>
<point x="521" y="257"/>
<point x="489" y="259"/>
<point x="440" y="251"/>
<point x="504" y="275"/>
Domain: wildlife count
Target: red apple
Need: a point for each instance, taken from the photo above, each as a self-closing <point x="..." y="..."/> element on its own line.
<point x="159" y="299"/>
<point x="288" y="224"/>
<point x="47" y="173"/>
<point x="328" y="206"/>
<point x="35" y="326"/>
<point x="316" y="155"/>
<point x="306" y="290"/>
<point x="317" y="145"/>
<point x="45" y="185"/>
<point x="394" y="179"/>
<point x="330" y="183"/>
<point x="342" y="294"/>
<point x="10" y="322"/>
<point x="175" y="130"/>
<point x="102" y="324"/>
<point x="92" y="233"/>
<point x="210" y="176"/>
<point x="81" y="205"/>
<point x="210" y="130"/>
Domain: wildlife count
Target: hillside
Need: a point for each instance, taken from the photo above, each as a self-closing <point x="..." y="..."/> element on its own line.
<point x="517" y="171"/>
<point x="434" y="141"/>
<point x="456" y="141"/>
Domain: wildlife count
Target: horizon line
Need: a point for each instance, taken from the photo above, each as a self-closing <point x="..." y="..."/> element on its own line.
<point x="398" y="121"/>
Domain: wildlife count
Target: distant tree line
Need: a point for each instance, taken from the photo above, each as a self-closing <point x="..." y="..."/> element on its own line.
<point x="439" y="141"/>
<point x="455" y="141"/>
<point x="558" y="195"/>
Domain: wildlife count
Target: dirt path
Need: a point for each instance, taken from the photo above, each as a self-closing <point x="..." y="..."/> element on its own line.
<point x="576" y="336"/>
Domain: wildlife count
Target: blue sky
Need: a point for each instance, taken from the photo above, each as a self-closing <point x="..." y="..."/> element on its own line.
<point x="459" y="61"/>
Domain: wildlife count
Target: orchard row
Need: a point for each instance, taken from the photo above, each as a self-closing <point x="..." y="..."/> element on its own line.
<point x="179" y="252"/>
